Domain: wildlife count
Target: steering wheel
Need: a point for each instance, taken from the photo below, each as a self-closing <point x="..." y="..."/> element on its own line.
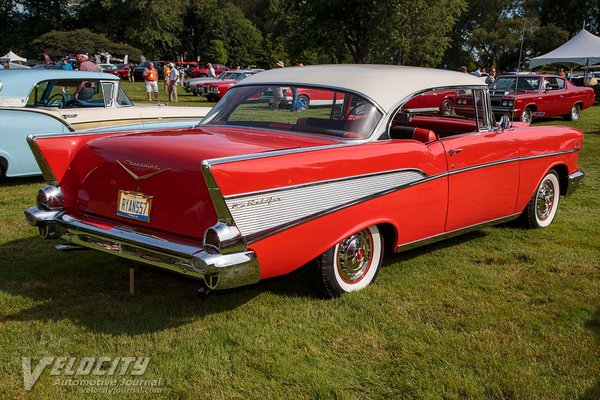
<point x="57" y="95"/>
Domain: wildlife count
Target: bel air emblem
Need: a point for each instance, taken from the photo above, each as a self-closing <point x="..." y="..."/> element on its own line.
<point x="140" y="165"/>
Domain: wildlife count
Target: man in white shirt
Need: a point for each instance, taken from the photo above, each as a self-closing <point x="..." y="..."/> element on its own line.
<point x="173" y="80"/>
<point x="211" y="71"/>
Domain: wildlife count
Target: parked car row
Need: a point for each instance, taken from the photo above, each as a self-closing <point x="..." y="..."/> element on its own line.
<point x="322" y="166"/>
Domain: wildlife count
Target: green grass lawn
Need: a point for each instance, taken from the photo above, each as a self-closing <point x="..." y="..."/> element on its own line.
<point x="502" y="313"/>
<point x="137" y="94"/>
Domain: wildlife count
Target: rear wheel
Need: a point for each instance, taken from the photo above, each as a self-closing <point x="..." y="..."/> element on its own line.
<point x="446" y="108"/>
<point x="527" y="116"/>
<point x="542" y="207"/>
<point x="574" y="114"/>
<point x="352" y="264"/>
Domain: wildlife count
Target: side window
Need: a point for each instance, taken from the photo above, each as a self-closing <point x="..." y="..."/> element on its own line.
<point x="444" y="112"/>
<point x="122" y="99"/>
<point x="107" y="90"/>
<point x="551" y="83"/>
<point x="561" y="83"/>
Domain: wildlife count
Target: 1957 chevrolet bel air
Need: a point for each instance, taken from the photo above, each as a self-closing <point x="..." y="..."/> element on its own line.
<point x="257" y="191"/>
<point x="57" y="101"/>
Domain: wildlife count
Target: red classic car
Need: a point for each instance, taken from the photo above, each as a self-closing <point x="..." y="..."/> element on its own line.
<point x="538" y="96"/>
<point x="216" y="88"/>
<point x="120" y="70"/>
<point x="255" y="192"/>
<point x="202" y="70"/>
<point x="433" y="101"/>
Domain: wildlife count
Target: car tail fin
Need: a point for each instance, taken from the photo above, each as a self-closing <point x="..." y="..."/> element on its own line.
<point x="54" y="153"/>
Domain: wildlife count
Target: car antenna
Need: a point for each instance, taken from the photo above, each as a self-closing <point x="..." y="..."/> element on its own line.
<point x="512" y="114"/>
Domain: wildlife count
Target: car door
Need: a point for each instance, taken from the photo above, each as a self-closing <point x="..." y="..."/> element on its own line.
<point x="483" y="171"/>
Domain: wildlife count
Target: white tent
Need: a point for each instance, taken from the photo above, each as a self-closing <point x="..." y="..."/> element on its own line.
<point x="582" y="49"/>
<point x="13" y="57"/>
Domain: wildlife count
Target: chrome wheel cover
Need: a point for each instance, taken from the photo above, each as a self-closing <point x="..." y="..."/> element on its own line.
<point x="545" y="200"/>
<point x="575" y="113"/>
<point x="526" y="116"/>
<point x="354" y="256"/>
<point x="446" y="108"/>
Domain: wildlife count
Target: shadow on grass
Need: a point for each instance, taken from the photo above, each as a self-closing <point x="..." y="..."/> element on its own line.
<point x="6" y="182"/>
<point x="91" y="288"/>
<point x="593" y="325"/>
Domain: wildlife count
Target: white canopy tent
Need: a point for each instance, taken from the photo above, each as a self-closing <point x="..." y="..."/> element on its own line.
<point x="583" y="49"/>
<point x="13" y="57"/>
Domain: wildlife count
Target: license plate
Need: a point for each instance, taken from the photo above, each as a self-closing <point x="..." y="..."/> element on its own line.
<point x="134" y="205"/>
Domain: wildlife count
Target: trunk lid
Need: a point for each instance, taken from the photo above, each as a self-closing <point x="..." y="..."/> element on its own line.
<point x="166" y="167"/>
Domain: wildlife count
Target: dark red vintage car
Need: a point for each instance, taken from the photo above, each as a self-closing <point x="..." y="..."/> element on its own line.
<point x="256" y="192"/>
<point x="433" y="101"/>
<point x="120" y="70"/>
<point x="202" y="70"/>
<point x="529" y="96"/>
<point x="216" y="88"/>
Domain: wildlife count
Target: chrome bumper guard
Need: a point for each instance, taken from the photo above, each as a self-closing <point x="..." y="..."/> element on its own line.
<point x="574" y="181"/>
<point x="219" y="271"/>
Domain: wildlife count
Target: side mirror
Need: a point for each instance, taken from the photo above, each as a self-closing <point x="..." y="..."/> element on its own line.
<point x="504" y="122"/>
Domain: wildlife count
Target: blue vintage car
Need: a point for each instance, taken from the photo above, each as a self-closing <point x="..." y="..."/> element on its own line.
<point x="58" y="101"/>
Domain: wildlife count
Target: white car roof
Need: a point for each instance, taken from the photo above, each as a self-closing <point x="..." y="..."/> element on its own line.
<point x="384" y="84"/>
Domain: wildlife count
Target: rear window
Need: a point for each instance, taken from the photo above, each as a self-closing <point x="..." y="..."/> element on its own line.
<point x="297" y="109"/>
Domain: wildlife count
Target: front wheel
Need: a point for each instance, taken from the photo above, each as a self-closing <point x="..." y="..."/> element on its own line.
<point x="352" y="264"/>
<point x="573" y="115"/>
<point x="542" y="207"/>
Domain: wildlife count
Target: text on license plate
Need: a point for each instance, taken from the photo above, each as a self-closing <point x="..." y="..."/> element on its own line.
<point x="134" y="205"/>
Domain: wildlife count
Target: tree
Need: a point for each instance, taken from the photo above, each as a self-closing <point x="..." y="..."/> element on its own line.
<point x="390" y="31"/>
<point x="216" y="52"/>
<point x="58" y="44"/>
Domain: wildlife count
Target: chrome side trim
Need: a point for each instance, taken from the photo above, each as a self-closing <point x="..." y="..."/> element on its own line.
<point x="262" y="215"/>
<point x="219" y="271"/>
<point x="41" y="161"/>
<point x="457" y="232"/>
<point x="574" y="181"/>
<point x="223" y="214"/>
<point x="509" y="160"/>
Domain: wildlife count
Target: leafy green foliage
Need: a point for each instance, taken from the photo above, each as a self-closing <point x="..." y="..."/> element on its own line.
<point x="216" y="52"/>
<point x="58" y="43"/>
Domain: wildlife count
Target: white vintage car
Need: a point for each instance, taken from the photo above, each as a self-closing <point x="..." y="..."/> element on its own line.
<point x="57" y="101"/>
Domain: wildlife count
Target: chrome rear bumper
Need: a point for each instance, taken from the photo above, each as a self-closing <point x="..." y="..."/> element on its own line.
<point x="574" y="180"/>
<point x="219" y="271"/>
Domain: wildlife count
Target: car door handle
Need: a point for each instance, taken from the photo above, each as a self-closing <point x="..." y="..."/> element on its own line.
<point x="454" y="151"/>
<point x="65" y="116"/>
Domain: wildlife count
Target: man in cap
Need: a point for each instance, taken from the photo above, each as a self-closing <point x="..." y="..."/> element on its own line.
<point x="173" y="79"/>
<point x="85" y="64"/>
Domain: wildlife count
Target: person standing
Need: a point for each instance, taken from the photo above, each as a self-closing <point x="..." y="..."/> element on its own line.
<point x="211" y="71"/>
<point x="85" y="64"/>
<point x="166" y="73"/>
<point x="150" y="82"/>
<point x="173" y="79"/>
<point x="131" y="76"/>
